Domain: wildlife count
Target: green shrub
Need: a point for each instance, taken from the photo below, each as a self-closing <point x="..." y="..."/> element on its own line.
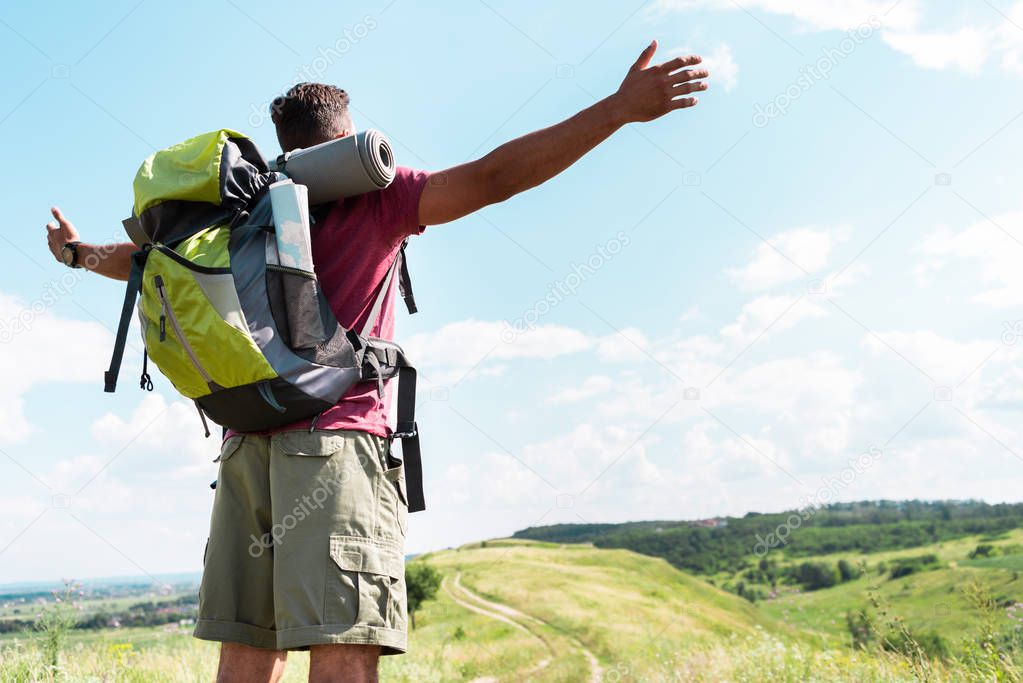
<point x="55" y="621"/>
<point x="904" y="566"/>
<point x="983" y="550"/>
<point x="907" y="643"/>
<point x="421" y="584"/>
<point x="847" y="571"/>
<point x="861" y="628"/>
<point x="816" y="575"/>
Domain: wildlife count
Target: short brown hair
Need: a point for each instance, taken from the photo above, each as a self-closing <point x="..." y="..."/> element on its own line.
<point x="310" y="113"/>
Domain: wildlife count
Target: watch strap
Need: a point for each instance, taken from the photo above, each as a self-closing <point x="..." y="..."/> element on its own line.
<point x="73" y="248"/>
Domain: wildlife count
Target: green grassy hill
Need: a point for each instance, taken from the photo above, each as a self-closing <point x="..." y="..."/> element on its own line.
<point x="932" y="600"/>
<point x="625" y="609"/>
<point x="513" y="610"/>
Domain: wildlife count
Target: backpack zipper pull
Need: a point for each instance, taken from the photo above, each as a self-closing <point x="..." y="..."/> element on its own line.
<point x="145" y="382"/>
<point x="163" y="308"/>
<point x="202" y="417"/>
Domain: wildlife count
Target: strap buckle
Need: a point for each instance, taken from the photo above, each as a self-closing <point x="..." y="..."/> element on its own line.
<point x="405" y="430"/>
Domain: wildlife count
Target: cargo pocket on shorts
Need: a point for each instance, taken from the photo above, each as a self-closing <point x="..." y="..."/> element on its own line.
<point x="228" y="448"/>
<point x="365" y="585"/>
<point x="302" y="442"/>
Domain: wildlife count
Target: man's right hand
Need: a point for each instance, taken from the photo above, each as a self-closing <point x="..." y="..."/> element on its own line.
<point x="646" y="93"/>
<point x="109" y="260"/>
<point x="59" y="232"/>
<point x="649" y="92"/>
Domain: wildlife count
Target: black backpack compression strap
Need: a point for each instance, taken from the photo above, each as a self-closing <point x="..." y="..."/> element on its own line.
<point x="131" y="291"/>
<point x="405" y="281"/>
<point x="408" y="432"/>
<point x="383" y="360"/>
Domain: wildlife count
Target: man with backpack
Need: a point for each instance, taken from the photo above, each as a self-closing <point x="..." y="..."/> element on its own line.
<point x="308" y="524"/>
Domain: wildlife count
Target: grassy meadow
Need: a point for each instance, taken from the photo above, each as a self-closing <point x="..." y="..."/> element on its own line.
<point x="513" y="610"/>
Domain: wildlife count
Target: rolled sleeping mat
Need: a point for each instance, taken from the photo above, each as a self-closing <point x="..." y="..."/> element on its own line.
<point x="345" y="167"/>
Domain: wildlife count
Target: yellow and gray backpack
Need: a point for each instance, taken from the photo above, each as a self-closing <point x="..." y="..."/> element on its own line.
<point x="251" y="340"/>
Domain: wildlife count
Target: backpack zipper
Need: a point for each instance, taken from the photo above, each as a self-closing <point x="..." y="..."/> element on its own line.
<point x="167" y="313"/>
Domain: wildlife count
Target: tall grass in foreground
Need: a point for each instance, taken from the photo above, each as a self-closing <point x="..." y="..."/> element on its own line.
<point x="740" y="659"/>
<point x="56" y="620"/>
<point x="773" y="660"/>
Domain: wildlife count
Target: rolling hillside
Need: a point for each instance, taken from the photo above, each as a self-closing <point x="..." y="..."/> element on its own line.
<point x="930" y="601"/>
<point x="513" y="610"/>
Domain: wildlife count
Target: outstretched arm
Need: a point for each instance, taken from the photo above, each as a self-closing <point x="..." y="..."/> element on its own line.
<point x="648" y="92"/>
<point x="109" y="260"/>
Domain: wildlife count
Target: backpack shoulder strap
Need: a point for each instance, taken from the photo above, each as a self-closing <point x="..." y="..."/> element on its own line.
<point x="408" y="431"/>
<point x="404" y="285"/>
<point x="131" y="291"/>
<point x="406" y="428"/>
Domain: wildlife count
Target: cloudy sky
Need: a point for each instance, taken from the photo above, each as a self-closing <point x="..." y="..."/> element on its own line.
<point x="714" y="313"/>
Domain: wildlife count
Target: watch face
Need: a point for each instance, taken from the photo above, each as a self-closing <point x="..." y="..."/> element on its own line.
<point x="67" y="255"/>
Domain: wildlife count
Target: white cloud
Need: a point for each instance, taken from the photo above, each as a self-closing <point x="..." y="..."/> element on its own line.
<point x="1002" y="391"/>
<point x="822" y="15"/>
<point x="169" y="433"/>
<point x="965" y="46"/>
<point x="447" y="354"/>
<point x="781" y="259"/>
<point x="965" y="49"/>
<point x="692" y="313"/>
<point x="959" y="467"/>
<point x="724" y="72"/>
<point x="991" y="245"/>
<point x="721" y="64"/>
<point x="591" y="386"/>
<point x="856" y="272"/>
<point x="768" y="314"/>
<point x="718" y="454"/>
<point x="529" y="485"/>
<point x="948" y="361"/>
<point x="89" y="485"/>
<point x="622" y="346"/>
<point x="1009" y="39"/>
<point x="38" y="348"/>
<point x="808" y="402"/>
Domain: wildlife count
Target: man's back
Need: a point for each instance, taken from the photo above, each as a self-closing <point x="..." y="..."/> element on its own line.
<point x="353" y="246"/>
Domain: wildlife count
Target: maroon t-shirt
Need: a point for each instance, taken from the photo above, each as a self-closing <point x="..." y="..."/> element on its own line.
<point x="353" y="246"/>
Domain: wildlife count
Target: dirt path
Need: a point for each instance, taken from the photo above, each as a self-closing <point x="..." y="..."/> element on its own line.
<point x="518" y="620"/>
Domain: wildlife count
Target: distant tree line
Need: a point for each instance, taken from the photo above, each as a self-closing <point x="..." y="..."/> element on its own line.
<point x="140" y="614"/>
<point x="862" y="527"/>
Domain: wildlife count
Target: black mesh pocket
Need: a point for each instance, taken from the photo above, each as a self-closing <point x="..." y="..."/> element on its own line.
<point x="305" y="322"/>
<point x="295" y="304"/>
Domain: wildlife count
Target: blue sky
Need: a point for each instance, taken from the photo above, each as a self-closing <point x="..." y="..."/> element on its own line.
<point x="713" y="313"/>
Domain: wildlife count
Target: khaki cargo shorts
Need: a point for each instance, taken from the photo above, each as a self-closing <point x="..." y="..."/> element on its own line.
<point x="306" y="543"/>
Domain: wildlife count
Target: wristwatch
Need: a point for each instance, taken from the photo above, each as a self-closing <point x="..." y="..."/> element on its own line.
<point x="69" y="254"/>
